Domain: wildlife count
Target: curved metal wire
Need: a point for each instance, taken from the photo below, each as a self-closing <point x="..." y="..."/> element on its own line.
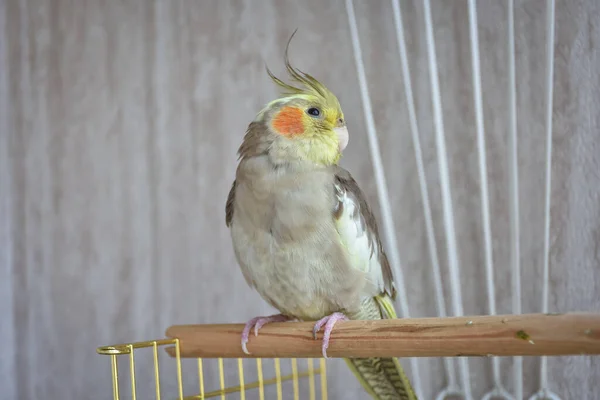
<point x="497" y="393"/>
<point x="450" y="392"/>
<point x="545" y="394"/>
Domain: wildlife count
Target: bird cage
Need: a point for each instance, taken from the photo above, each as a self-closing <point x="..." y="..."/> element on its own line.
<point x="456" y="337"/>
<point x="309" y="373"/>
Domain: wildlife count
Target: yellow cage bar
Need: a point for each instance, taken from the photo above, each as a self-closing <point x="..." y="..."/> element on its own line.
<point x="502" y="335"/>
<point x="128" y="349"/>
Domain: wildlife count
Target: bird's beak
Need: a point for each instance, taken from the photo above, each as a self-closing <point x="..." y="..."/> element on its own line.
<point x="342" y="134"/>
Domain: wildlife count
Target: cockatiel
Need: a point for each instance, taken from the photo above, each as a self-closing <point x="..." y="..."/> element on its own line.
<point x="302" y="232"/>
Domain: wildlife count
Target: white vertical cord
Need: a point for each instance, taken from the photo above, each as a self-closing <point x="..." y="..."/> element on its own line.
<point x="544" y="392"/>
<point x="513" y="162"/>
<point x="384" y="200"/>
<point x="414" y="129"/>
<point x="481" y="150"/>
<point x="549" y="102"/>
<point x="498" y="390"/>
<point x="549" y="106"/>
<point x="443" y="166"/>
<point x="445" y="183"/>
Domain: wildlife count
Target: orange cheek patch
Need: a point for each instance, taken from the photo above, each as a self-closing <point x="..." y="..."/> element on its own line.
<point x="288" y="121"/>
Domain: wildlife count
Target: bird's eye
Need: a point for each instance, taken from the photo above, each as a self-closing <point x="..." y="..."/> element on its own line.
<point x="315" y="112"/>
<point x="341" y="121"/>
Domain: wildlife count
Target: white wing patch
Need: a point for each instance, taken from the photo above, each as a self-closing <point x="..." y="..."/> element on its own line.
<point x="357" y="238"/>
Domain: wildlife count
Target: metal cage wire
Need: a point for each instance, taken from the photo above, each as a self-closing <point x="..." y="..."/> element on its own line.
<point x="453" y="387"/>
<point x="128" y="349"/>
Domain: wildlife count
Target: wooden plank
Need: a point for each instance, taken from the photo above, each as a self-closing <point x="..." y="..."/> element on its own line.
<point x="476" y="336"/>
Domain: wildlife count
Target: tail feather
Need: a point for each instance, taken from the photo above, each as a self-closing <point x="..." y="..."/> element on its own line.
<point x="382" y="378"/>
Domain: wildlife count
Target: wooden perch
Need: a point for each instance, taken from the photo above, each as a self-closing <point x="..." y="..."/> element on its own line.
<point x="477" y="336"/>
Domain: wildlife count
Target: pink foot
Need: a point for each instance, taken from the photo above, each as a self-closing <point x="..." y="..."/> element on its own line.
<point x="257" y="323"/>
<point x="329" y="321"/>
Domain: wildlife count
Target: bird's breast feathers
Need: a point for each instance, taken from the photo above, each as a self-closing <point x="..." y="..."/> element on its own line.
<point x="300" y="256"/>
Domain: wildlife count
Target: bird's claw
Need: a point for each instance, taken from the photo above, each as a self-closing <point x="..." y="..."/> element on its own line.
<point x="257" y="323"/>
<point x="329" y="321"/>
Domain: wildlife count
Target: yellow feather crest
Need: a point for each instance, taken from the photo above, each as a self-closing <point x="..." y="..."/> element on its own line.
<point x="309" y="85"/>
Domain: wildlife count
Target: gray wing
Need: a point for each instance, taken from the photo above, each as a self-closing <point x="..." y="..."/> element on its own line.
<point x="357" y="227"/>
<point x="229" y="205"/>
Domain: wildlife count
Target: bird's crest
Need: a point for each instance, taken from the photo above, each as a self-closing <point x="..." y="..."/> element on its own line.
<point x="308" y="84"/>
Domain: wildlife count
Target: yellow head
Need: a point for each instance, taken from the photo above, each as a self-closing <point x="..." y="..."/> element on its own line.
<point x="306" y="124"/>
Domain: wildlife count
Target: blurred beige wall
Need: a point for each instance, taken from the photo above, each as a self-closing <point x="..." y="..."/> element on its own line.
<point x="119" y="125"/>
